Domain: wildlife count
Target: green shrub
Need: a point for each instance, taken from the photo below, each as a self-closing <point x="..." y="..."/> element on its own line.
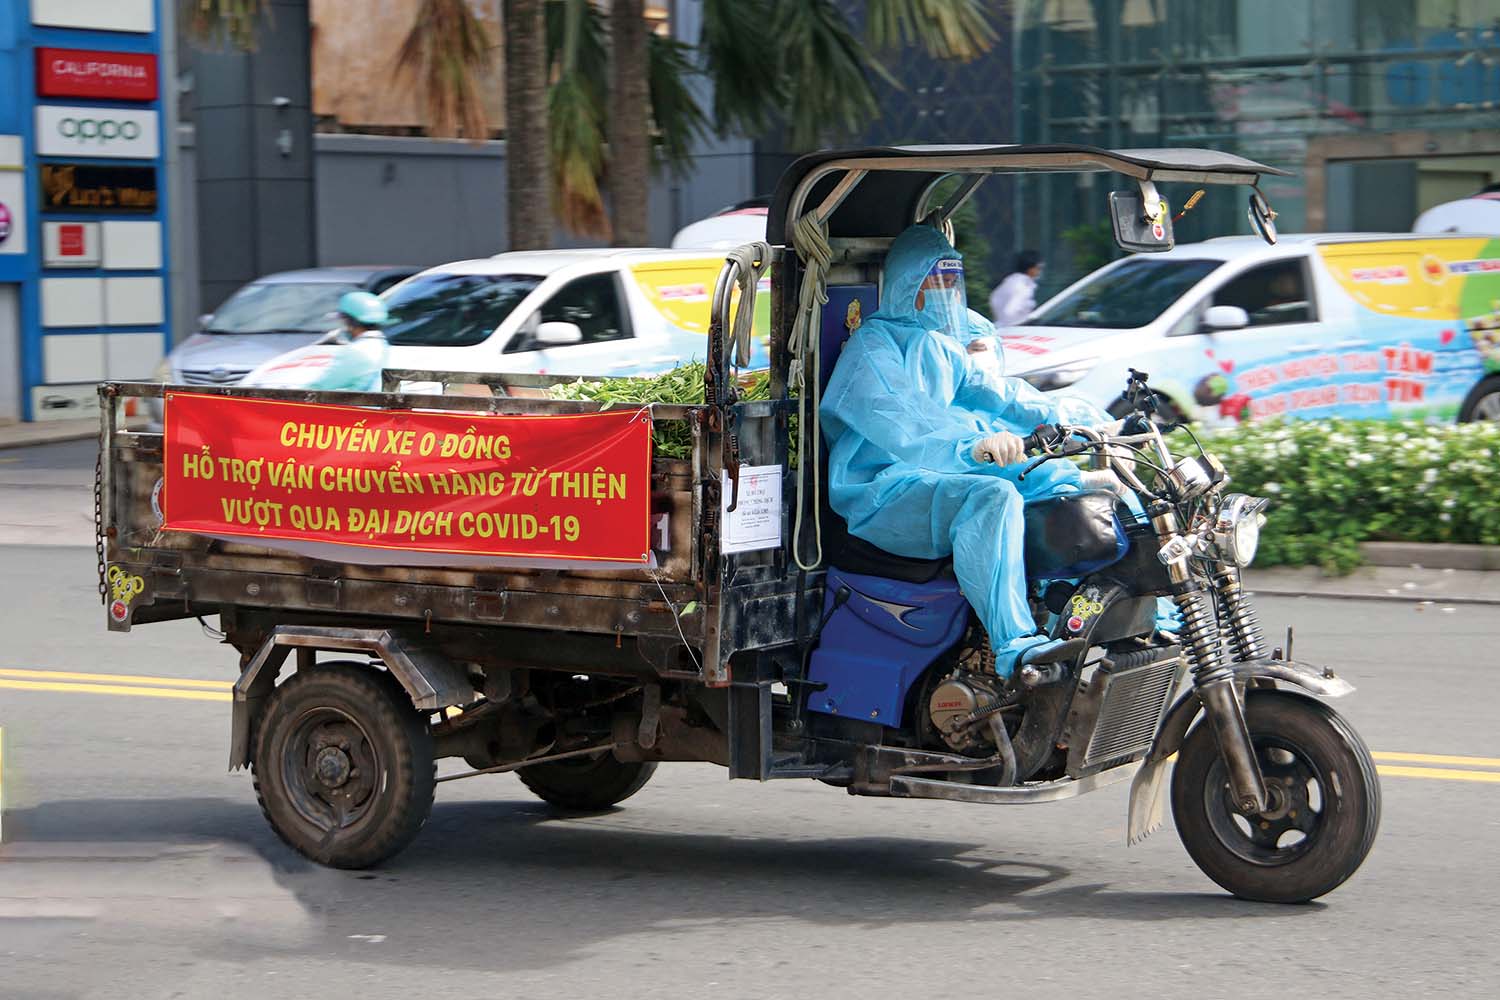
<point x="683" y="385"/>
<point x="1334" y="484"/>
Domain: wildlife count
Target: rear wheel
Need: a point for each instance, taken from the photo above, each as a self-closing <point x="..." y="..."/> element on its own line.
<point x="587" y="784"/>
<point x="1323" y="811"/>
<point x="343" y="765"/>
<point x="1482" y="403"/>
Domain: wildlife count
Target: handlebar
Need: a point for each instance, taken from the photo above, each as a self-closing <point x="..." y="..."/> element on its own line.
<point x="1051" y="441"/>
<point x="1043" y="439"/>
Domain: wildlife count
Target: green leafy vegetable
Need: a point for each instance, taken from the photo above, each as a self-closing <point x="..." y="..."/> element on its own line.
<point x="682" y="385"/>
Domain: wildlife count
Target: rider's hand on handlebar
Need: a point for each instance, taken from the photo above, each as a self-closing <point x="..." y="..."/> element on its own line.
<point x="1004" y="448"/>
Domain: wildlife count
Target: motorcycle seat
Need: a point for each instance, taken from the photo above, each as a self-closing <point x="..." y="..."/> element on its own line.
<point x="866" y="559"/>
<point x="1066" y="537"/>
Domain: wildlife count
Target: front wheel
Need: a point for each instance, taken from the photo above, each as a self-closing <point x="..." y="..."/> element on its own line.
<point x="1324" y="802"/>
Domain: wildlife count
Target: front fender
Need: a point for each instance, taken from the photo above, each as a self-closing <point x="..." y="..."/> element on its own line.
<point x="1147" y="801"/>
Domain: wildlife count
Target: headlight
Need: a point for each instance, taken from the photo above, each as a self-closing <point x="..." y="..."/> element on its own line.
<point x="1062" y="376"/>
<point x="1237" y="530"/>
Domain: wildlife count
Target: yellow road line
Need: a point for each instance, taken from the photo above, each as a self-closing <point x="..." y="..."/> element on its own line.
<point x="1437" y="773"/>
<point x="14" y="673"/>
<point x="189" y="689"/>
<point x="140" y="692"/>
<point x="1435" y="758"/>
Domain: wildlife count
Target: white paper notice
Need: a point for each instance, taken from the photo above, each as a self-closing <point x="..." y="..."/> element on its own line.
<point x="756" y="522"/>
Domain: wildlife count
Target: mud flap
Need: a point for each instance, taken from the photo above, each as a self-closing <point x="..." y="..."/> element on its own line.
<point x="1148" y="802"/>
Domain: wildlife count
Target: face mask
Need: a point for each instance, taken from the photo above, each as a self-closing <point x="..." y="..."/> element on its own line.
<point x="945" y="306"/>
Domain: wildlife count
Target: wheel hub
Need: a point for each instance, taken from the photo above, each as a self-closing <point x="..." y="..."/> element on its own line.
<point x="332" y="767"/>
<point x="1259" y="837"/>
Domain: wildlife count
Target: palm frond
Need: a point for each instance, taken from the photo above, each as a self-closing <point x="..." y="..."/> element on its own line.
<point x="577" y="41"/>
<point x="739" y="49"/>
<point x="675" y="111"/>
<point x="213" y="22"/>
<point x="827" y="71"/>
<point x="445" y="53"/>
<point x="576" y="107"/>
<point x="947" y="29"/>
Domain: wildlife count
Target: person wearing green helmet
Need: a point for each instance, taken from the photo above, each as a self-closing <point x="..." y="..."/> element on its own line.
<point x="362" y="313"/>
<point x="350" y="358"/>
<point x="358" y="363"/>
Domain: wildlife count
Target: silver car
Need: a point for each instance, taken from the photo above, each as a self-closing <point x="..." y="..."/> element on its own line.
<point x="270" y="316"/>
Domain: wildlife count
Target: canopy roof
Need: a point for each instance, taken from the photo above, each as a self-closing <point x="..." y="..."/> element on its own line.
<point x="885" y="200"/>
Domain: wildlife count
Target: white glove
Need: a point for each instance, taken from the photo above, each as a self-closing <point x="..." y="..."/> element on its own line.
<point x="1004" y="448"/>
<point x="1103" y="479"/>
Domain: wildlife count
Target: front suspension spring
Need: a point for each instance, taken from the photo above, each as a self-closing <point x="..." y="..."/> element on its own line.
<point x="1246" y="640"/>
<point x="1200" y="635"/>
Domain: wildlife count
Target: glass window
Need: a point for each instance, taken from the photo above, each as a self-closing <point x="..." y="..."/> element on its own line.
<point x="384" y="282"/>
<point x="454" y="310"/>
<point x="591" y="303"/>
<point x="1128" y="296"/>
<point x="280" y="307"/>
<point x="1270" y="294"/>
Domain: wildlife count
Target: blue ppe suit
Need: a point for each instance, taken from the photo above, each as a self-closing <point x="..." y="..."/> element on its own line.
<point x="358" y="365"/>
<point x="901" y="414"/>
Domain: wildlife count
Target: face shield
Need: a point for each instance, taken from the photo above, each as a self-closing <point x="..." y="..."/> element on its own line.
<point x="942" y="302"/>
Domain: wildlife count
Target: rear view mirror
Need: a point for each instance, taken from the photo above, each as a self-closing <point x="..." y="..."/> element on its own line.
<point x="1225" y="318"/>
<point x="1262" y="217"/>
<point x="1133" y="230"/>
<point x="558" y="334"/>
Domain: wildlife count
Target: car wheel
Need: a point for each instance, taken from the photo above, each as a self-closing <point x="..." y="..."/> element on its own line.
<point x="1482" y="403"/>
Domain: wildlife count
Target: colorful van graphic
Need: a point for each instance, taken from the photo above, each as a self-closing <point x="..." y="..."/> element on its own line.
<point x="1316" y="326"/>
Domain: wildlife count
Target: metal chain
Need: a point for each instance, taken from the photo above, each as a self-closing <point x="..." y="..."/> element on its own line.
<point x="99" y="524"/>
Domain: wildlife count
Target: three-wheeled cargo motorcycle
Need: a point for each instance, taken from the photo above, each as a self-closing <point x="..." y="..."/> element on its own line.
<point x="756" y="633"/>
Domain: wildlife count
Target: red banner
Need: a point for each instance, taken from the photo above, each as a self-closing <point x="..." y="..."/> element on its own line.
<point x="111" y="76"/>
<point x="554" y="487"/>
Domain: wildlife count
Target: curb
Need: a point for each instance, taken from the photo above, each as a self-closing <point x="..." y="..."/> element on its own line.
<point x="1432" y="555"/>
<point x="1358" y="595"/>
<point x="34" y="434"/>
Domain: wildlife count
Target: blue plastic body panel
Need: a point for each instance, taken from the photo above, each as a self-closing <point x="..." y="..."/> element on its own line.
<point x="879" y="641"/>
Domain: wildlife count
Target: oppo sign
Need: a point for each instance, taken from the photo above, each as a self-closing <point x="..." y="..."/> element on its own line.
<point x="111" y="132"/>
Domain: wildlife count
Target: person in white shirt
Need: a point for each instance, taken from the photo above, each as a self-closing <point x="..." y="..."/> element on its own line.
<point x="1015" y="297"/>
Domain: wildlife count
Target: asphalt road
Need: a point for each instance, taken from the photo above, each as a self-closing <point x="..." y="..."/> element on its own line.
<point x="133" y="865"/>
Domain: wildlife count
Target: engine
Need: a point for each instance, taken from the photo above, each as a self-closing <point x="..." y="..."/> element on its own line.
<point x="954" y="704"/>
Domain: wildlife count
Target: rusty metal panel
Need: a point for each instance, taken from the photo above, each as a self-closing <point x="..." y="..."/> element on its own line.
<point x="687" y="598"/>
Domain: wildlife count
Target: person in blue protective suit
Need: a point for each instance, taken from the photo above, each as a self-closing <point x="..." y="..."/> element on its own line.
<point x="351" y="357"/>
<point x="358" y="367"/>
<point x="925" y="446"/>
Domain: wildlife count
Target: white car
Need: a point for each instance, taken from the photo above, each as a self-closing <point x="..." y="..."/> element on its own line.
<point x="1352" y="325"/>
<point x="561" y="312"/>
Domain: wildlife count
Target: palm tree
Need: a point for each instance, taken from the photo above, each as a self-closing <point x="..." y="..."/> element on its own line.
<point x="629" y="141"/>
<point x="808" y="63"/>
<point x="527" y="185"/>
<point x="445" y="53"/>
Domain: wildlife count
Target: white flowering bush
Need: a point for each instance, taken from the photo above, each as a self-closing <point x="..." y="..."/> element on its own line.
<point x="1334" y="484"/>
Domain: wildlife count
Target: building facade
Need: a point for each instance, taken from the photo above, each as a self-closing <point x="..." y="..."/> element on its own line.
<point x="83" y="244"/>
<point x="1380" y="108"/>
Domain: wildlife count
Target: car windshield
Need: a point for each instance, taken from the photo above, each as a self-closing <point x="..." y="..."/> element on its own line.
<point x="1124" y="297"/>
<point x="454" y="310"/>
<point x="280" y="307"/>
